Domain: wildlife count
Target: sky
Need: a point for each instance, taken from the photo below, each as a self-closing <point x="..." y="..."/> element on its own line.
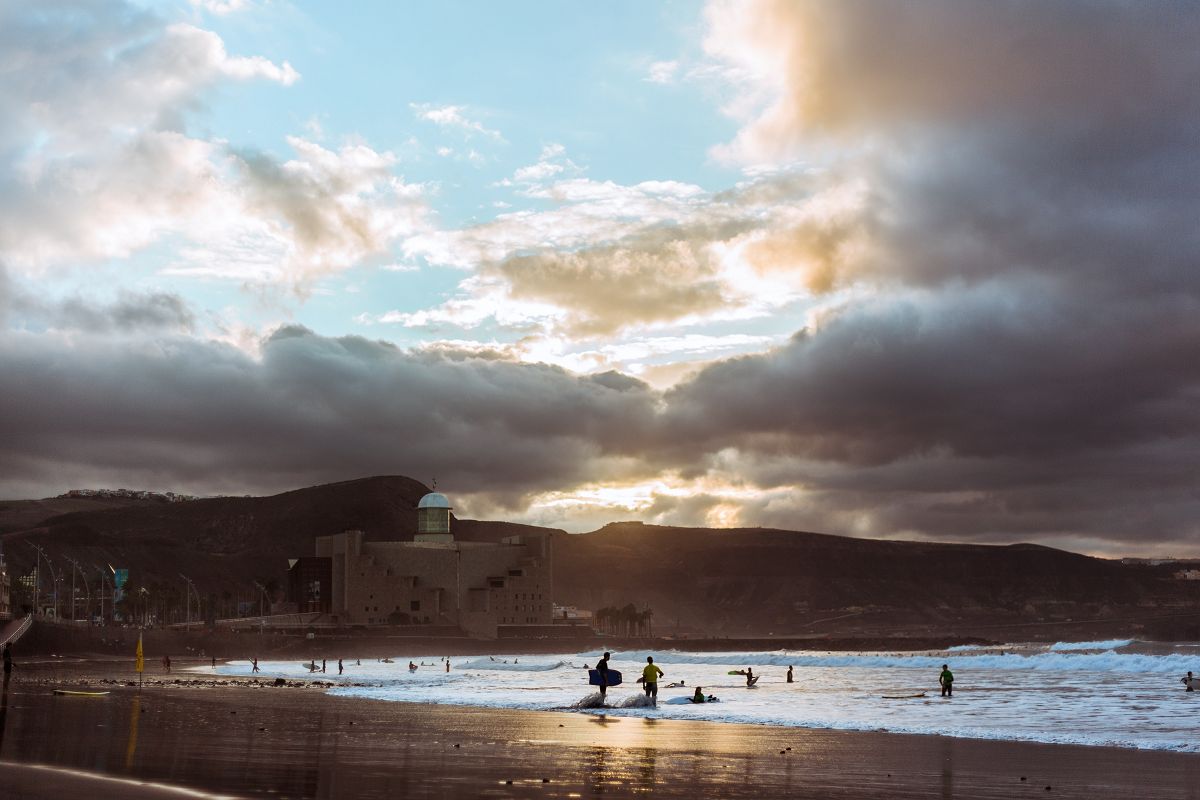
<point x="920" y="269"/>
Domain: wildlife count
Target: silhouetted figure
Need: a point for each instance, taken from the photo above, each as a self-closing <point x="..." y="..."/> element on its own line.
<point x="1187" y="682"/>
<point x="602" y="671"/>
<point x="750" y="679"/>
<point x="650" y="675"/>
<point x="339" y="666"/>
<point x="789" y="675"/>
<point x="322" y="666"/>
<point x="254" y="663"/>
<point x="447" y="665"/>
<point x="214" y="666"/>
<point x="946" y="679"/>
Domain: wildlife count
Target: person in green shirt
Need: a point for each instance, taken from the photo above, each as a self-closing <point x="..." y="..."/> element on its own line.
<point x="650" y="675"/>
<point x="946" y="679"/>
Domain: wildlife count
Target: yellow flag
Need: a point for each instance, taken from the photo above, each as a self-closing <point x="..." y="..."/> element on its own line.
<point x="141" y="662"/>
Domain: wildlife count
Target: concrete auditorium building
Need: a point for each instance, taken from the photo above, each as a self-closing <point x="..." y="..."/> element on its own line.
<point x="479" y="587"/>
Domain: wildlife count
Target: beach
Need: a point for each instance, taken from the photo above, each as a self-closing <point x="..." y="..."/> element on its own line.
<point x="223" y="737"/>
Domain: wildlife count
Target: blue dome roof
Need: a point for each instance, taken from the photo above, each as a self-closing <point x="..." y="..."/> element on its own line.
<point x="434" y="500"/>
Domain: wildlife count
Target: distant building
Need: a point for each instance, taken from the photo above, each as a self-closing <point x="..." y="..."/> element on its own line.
<point x="310" y="584"/>
<point x="5" y="591"/>
<point x="479" y="587"/>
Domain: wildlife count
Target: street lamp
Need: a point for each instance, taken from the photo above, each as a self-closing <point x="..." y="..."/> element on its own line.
<point x="188" y="589"/>
<point x="38" y="577"/>
<point x="262" y="600"/>
<point x="75" y="568"/>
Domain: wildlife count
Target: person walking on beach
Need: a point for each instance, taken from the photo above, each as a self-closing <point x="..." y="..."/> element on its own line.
<point x="254" y="663"/>
<point x="946" y="679"/>
<point x="789" y="675"/>
<point x="339" y="666"/>
<point x="602" y="671"/>
<point x="1187" y="682"/>
<point x="214" y="666"/>
<point x="322" y="666"/>
<point x="650" y="675"/>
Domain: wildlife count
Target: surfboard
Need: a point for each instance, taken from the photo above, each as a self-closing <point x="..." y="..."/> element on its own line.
<point x="736" y="672"/>
<point x="70" y="693"/>
<point x="614" y="677"/>
<point x="902" y="696"/>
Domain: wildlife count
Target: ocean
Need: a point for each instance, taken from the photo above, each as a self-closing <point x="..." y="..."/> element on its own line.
<point x="1122" y="693"/>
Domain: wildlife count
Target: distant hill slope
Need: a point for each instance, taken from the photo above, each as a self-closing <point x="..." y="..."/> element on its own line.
<point x="761" y="580"/>
<point x="743" y="581"/>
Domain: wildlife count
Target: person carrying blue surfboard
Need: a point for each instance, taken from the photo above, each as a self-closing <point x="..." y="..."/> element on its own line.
<point x="602" y="668"/>
<point x="650" y="675"/>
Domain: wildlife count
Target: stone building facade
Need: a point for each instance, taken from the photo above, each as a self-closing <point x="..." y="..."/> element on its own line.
<point x="435" y="580"/>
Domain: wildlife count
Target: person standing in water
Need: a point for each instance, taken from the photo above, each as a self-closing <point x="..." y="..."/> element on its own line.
<point x="750" y="679"/>
<point x="602" y="670"/>
<point x="789" y="675"/>
<point x="1187" y="682"/>
<point x="946" y="679"/>
<point x="339" y="666"/>
<point x="650" y="675"/>
<point x="447" y="665"/>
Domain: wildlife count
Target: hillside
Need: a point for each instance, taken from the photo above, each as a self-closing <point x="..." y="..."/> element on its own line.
<point x="731" y="582"/>
<point x="719" y="582"/>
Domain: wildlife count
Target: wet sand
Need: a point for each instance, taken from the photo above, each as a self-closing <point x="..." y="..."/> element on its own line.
<point x="240" y="740"/>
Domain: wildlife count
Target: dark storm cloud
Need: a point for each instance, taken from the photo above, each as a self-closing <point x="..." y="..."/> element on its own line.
<point x="188" y="413"/>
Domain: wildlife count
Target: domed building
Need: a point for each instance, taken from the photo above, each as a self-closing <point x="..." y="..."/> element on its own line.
<point x="483" y="589"/>
<point x="433" y="518"/>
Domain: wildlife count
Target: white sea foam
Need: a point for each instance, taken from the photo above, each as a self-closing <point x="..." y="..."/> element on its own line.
<point x="1082" y="693"/>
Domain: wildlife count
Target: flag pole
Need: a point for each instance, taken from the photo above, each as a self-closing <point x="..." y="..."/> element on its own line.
<point x="140" y="665"/>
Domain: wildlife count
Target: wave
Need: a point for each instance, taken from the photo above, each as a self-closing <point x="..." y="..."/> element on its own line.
<point x="509" y="666"/>
<point x="1107" y="644"/>
<point x="1050" y="660"/>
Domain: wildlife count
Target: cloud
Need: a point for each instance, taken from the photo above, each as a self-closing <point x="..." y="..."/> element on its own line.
<point x="662" y="72"/>
<point x="102" y="164"/>
<point x="453" y="117"/>
<point x="181" y="411"/>
<point x="863" y="67"/>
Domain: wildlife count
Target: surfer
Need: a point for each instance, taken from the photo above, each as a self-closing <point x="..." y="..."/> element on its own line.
<point x="750" y="679"/>
<point x="650" y="675"/>
<point x="789" y="675"/>
<point x="323" y="666"/>
<point x="1186" y="681"/>
<point x="602" y="670"/>
<point x="447" y="665"/>
<point x="412" y="667"/>
<point x="946" y="679"/>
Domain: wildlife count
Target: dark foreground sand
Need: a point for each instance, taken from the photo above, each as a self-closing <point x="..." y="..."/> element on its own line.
<point x="245" y="741"/>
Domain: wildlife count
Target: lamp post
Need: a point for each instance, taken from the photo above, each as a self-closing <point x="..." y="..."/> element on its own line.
<point x="53" y="576"/>
<point x="188" y="589"/>
<point x="262" y="599"/>
<point x="75" y="568"/>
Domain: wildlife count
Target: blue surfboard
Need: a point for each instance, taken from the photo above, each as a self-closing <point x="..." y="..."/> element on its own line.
<point x="614" y="677"/>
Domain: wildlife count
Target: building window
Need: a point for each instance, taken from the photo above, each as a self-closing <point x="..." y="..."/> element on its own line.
<point x="415" y="605"/>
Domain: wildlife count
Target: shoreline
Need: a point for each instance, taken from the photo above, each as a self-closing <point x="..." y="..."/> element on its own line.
<point x="238" y="739"/>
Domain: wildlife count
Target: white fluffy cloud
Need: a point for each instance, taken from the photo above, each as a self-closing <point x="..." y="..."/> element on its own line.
<point x="99" y="161"/>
